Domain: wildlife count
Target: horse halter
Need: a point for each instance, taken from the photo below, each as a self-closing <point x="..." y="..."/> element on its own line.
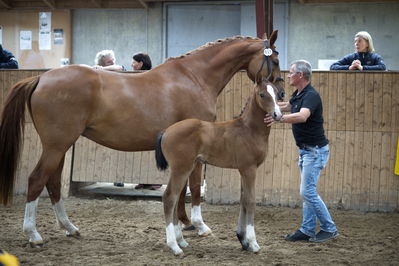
<point x="267" y="52"/>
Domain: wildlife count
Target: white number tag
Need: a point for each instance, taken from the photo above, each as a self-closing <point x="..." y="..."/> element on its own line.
<point x="268" y="52"/>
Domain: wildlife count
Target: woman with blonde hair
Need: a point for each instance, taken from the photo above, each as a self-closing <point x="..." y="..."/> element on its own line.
<point x="364" y="57"/>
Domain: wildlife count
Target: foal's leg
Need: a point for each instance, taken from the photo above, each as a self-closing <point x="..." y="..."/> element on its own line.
<point x="47" y="165"/>
<point x="195" y="188"/>
<point x="242" y="221"/>
<point x="174" y="236"/>
<point x="54" y="189"/>
<point x="246" y="221"/>
<point x="181" y="210"/>
<point x="178" y="230"/>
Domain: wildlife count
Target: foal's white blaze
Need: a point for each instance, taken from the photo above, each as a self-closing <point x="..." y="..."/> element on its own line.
<point x="171" y="239"/>
<point x="29" y="226"/>
<point x="251" y="238"/>
<point x="198" y="222"/>
<point x="63" y="219"/>
<point x="277" y="110"/>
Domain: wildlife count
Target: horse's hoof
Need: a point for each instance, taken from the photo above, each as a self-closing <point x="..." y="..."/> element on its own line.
<point x="36" y="244"/>
<point x="75" y="234"/>
<point x="189" y="227"/>
<point x="254" y="248"/>
<point x="178" y="253"/>
<point x="205" y="234"/>
<point x="183" y="244"/>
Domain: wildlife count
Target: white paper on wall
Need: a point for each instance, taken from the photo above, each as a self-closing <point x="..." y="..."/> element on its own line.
<point x="25" y="40"/>
<point x="44" y="30"/>
<point x="44" y="40"/>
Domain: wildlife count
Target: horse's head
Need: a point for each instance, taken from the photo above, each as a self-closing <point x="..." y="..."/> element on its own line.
<point x="265" y="64"/>
<point x="266" y="98"/>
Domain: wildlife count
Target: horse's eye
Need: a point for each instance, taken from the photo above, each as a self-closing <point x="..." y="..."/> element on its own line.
<point x="261" y="94"/>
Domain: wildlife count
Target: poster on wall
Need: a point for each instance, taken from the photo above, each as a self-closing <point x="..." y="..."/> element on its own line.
<point x="25" y="40"/>
<point x="44" y="30"/>
<point x="58" y="36"/>
<point x="1" y="35"/>
<point x="44" y="21"/>
<point x="44" y="40"/>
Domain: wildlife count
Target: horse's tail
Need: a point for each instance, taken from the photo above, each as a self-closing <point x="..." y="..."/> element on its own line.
<point x="162" y="163"/>
<point x="11" y="132"/>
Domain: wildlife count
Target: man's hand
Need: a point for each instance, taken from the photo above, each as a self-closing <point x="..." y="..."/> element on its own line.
<point x="284" y="106"/>
<point x="269" y="121"/>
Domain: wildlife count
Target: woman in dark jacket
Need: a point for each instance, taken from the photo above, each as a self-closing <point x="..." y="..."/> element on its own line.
<point x="7" y="59"/>
<point x="364" y="58"/>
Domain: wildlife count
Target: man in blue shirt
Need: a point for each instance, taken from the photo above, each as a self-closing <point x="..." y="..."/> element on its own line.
<point x="7" y="59"/>
<point x="307" y="127"/>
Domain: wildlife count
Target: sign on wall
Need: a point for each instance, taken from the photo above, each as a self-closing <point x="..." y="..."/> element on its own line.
<point x="44" y="30"/>
<point x="25" y="40"/>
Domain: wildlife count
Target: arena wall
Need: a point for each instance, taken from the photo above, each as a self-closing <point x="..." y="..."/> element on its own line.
<point x="361" y="112"/>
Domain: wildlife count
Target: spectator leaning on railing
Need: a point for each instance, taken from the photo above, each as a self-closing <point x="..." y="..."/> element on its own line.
<point x="364" y="58"/>
<point x="7" y="59"/>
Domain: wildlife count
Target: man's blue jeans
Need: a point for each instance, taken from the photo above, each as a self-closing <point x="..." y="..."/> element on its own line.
<point x="311" y="162"/>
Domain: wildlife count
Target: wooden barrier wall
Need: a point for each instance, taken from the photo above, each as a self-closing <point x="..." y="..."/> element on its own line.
<point x="32" y="146"/>
<point x="361" y="112"/>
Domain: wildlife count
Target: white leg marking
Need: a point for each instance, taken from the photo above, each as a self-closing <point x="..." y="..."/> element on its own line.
<point x="251" y="238"/>
<point x="29" y="226"/>
<point x="196" y="219"/>
<point x="171" y="240"/>
<point x="63" y="220"/>
<point x="179" y="237"/>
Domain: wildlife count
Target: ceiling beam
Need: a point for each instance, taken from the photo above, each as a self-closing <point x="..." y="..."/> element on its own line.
<point x="97" y="3"/>
<point x="144" y="4"/>
<point x="6" y="4"/>
<point x="50" y="3"/>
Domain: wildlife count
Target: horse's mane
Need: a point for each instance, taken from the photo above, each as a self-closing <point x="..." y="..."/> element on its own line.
<point x="210" y="44"/>
<point x="243" y="109"/>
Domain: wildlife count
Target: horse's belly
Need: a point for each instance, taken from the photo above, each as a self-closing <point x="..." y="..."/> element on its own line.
<point x="135" y="140"/>
<point x="222" y="161"/>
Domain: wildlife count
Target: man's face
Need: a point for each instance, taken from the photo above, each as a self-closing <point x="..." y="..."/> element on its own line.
<point x="109" y="61"/>
<point x="294" y="76"/>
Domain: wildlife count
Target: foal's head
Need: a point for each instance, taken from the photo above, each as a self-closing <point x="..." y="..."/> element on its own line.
<point x="266" y="98"/>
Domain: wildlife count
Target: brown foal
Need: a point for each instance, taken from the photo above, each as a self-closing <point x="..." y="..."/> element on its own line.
<point x="240" y="144"/>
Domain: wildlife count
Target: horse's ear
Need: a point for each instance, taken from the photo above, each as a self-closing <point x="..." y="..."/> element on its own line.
<point x="273" y="37"/>
<point x="264" y="37"/>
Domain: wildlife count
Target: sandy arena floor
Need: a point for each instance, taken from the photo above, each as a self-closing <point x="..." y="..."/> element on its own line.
<point x="125" y="231"/>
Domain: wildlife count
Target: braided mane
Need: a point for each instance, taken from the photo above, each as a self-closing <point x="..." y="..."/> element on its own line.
<point x="243" y="109"/>
<point x="210" y="44"/>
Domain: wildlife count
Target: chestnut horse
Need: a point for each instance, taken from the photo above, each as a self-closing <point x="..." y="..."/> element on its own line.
<point x="240" y="144"/>
<point x="119" y="110"/>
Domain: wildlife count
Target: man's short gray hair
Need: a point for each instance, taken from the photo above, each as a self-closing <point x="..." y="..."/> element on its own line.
<point x="99" y="60"/>
<point x="304" y="67"/>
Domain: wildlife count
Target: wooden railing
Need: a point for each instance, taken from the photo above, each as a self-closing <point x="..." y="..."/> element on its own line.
<point x="361" y="112"/>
